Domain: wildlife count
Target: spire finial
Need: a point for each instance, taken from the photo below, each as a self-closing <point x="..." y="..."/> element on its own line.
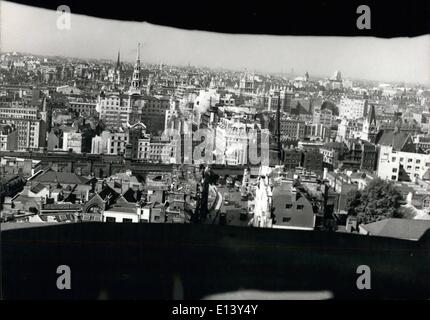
<point x="138" y="52"/>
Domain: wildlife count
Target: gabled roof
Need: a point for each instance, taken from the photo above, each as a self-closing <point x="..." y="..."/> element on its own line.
<point x="398" y="228"/>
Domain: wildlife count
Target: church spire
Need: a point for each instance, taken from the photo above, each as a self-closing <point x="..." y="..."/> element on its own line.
<point x="118" y="62"/>
<point x="371" y="117"/>
<point x="136" y="79"/>
<point x="138" y="54"/>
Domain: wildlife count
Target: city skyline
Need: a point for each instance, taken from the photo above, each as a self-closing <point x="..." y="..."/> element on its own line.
<point x="34" y="30"/>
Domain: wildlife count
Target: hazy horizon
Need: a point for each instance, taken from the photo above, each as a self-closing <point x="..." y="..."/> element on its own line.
<point x="34" y="30"/>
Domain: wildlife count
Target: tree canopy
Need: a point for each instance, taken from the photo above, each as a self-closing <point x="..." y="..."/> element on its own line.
<point x="379" y="200"/>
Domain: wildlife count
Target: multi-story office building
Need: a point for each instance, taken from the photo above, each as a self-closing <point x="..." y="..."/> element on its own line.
<point x="83" y="108"/>
<point x="29" y="124"/>
<point x="323" y="117"/>
<point x="352" y="108"/>
<point x="317" y="132"/>
<point x="113" y="109"/>
<point x="233" y="141"/>
<point x="276" y="93"/>
<point x="156" y="150"/>
<point x="292" y="129"/>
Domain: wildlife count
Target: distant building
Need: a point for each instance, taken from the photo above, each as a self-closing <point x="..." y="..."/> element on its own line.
<point x="110" y="142"/>
<point x="292" y="129"/>
<point x="292" y="158"/>
<point x="83" y="108"/>
<point x="72" y="141"/>
<point x="113" y="109"/>
<point x="8" y="137"/>
<point x="332" y="153"/>
<point x="352" y="108"/>
<point x="312" y="160"/>
<point x="69" y="90"/>
<point x="19" y="166"/>
<point x="29" y="124"/>
<point x="323" y="117"/>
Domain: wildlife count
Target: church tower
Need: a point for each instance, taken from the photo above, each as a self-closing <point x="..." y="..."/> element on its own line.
<point x="369" y="126"/>
<point x="136" y="79"/>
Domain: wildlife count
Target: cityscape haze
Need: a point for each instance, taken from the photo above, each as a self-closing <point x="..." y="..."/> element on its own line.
<point x="34" y="30"/>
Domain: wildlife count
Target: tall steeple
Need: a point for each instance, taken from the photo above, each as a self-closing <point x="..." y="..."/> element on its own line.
<point x="136" y="80"/>
<point x="369" y="126"/>
<point x="371" y="117"/>
<point x="275" y="144"/>
<point x="278" y="127"/>
<point x="118" y="63"/>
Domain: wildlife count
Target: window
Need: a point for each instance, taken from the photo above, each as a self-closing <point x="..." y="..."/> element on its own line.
<point x="409" y="167"/>
<point x="394" y="170"/>
<point x="426" y="202"/>
<point x="110" y="219"/>
<point x="300" y="207"/>
<point x="286" y="219"/>
<point x="409" y="160"/>
<point x="418" y="161"/>
<point x="127" y="220"/>
<point x="393" y="159"/>
<point x="401" y="159"/>
<point x="393" y="177"/>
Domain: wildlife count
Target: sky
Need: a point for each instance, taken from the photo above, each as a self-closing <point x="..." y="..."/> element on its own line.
<point x="34" y="30"/>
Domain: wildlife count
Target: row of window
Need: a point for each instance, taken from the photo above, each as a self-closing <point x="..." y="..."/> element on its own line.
<point x="298" y="207"/>
<point x="407" y="168"/>
<point x="417" y="161"/>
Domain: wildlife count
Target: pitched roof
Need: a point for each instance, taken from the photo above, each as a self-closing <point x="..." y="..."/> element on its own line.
<point x="426" y="175"/>
<point x="411" y="147"/>
<point x="391" y="138"/>
<point x="62" y="206"/>
<point x="398" y="228"/>
<point x="335" y="145"/>
<point x="109" y="192"/>
<point x="130" y="195"/>
<point x="51" y="176"/>
<point x="37" y="188"/>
